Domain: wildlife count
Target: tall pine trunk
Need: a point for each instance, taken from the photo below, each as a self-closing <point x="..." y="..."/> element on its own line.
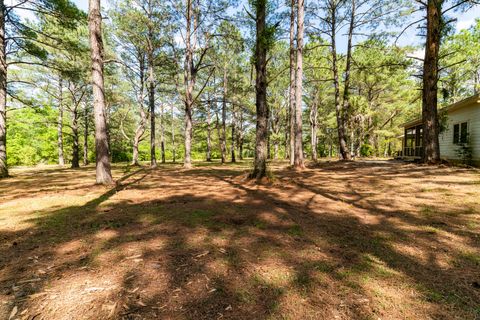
<point x="314" y="126"/>
<point x="141" y="127"/>
<point x="162" y="135"/>
<point x="103" y="171"/>
<point x="151" y="106"/>
<point x="223" y="141"/>
<point x="85" y="134"/>
<point x="174" y="150"/>
<point x="342" y="141"/>
<point x="75" y="136"/>
<point x="3" y="94"/>
<point x="139" y="132"/>
<point x="209" y="131"/>
<point x="233" y="134"/>
<point x="298" y="162"/>
<point x="61" y="158"/>
<point x="240" y="134"/>
<point x="345" y="110"/>
<point x="189" y="85"/>
<point x="430" y="80"/>
<point x="260" y="162"/>
<point x="292" y="83"/>
<point x="286" y="141"/>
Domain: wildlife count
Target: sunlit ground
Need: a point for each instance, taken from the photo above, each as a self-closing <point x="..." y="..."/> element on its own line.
<point x="356" y="240"/>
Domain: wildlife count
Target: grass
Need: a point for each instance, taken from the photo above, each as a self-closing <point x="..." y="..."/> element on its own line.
<point x="470" y="257"/>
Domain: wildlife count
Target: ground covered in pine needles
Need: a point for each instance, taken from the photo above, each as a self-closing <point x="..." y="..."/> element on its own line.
<point x="353" y="240"/>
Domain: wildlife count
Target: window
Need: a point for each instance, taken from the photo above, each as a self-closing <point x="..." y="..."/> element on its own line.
<point x="460" y="133"/>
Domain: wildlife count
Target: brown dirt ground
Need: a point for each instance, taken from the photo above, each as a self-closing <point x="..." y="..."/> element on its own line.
<point x="351" y="240"/>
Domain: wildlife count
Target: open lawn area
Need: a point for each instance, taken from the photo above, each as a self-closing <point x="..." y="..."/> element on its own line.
<point x="339" y="240"/>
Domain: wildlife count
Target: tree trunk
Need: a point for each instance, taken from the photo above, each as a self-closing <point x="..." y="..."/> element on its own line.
<point x="189" y="85"/>
<point x="173" y="136"/>
<point x="162" y="135"/>
<point x="314" y="127"/>
<point x="342" y="141"/>
<point x="260" y="162"/>
<point x="61" y="158"/>
<point x="209" y="132"/>
<point x="85" y="134"/>
<point x="286" y="136"/>
<point x="430" y="81"/>
<point x="76" y="145"/>
<point x="151" y="106"/>
<point x="240" y="134"/>
<point x="233" y="134"/>
<point x="3" y="94"/>
<point x="292" y="83"/>
<point x="103" y="171"/>
<point x="298" y="162"/>
<point x="141" y="127"/>
<point x="345" y="110"/>
<point x="223" y="141"/>
<point x="139" y="132"/>
<point x="269" y="151"/>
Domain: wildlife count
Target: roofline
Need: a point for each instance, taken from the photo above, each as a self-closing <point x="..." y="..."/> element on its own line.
<point x="455" y="106"/>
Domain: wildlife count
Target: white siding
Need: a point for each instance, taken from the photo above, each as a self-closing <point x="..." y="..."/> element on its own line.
<point x="470" y="114"/>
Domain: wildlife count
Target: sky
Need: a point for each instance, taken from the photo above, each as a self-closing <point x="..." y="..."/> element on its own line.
<point x="464" y="21"/>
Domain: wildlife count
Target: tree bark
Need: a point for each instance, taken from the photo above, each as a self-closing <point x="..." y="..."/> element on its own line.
<point x="240" y="134"/>
<point x="286" y="136"/>
<point x="61" y="158"/>
<point x="151" y="106"/>
<point x="260" y="162"/>
<point x="342" y="141"/>
<point x="189" y="78"/>
<point x="85" y="134"/>
<point x="3" y="94"/>
<point x="292" y="83"/>
<point x="76" y="145"/>
<point x="209" y="131"/>
<point x="345" y="110"/>
<point x="233" y="134"/>
<point x="139" y="132"/>
<point x="223" y="142"/>
<point x="314" y="126"/>
<point x="299" y="163"/>
<point x="162" y="135"/>
<point x="430" y="81"/>
<point x="173" y="135"/>
<point x="141" y="127"/>
<point x="103" y="171"/>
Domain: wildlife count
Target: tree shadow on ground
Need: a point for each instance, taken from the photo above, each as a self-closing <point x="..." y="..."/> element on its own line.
<point x="203" y="244"/>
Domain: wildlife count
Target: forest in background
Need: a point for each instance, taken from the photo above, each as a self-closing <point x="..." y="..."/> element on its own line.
<point x="149" y="81"/>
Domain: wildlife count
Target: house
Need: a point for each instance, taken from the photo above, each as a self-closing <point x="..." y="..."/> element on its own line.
<point x="459" y="139"/>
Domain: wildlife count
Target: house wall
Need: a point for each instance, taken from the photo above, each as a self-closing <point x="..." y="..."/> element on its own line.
<point x="470" y="114"/>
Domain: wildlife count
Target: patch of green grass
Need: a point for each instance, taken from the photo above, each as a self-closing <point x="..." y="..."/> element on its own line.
<point x="260" y="224"/>
<point x="197" y="217"/>
<point x="295" y="231"/>
<point x="471" y="225"/>
<point x="471" y="257"/>
<point x="245" y="296"/>
<point x="324" y="267"/>
<point x="433" y="296"/>
<point x="427" y="211"/>
<point x="429" y="229"/>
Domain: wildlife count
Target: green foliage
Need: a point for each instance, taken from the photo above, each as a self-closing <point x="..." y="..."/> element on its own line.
<point x="31" y="137"/>
<point x="367" y="150"/>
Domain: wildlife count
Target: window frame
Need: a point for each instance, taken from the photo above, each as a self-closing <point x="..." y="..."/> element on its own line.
<point x="460" y="137"/>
